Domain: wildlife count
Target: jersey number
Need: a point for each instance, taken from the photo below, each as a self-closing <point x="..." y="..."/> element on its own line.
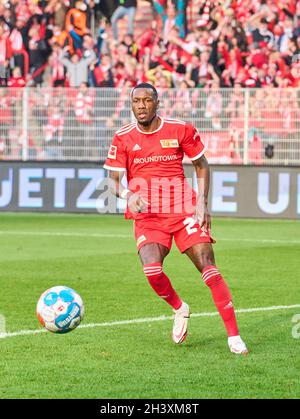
<point x="189" y="223"/>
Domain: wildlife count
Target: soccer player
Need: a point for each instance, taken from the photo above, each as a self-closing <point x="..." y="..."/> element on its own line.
<point x="164" y="205"/>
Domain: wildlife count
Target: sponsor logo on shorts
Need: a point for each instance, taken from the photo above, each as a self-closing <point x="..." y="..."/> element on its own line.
<point x="169" y="143"/>
<point x="112" y="154"/>
<point x="140" y="240"/>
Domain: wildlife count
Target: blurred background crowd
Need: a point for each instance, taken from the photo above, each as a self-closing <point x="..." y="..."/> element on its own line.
<point x="172" y="43"/>
<point x="188" y="49"/>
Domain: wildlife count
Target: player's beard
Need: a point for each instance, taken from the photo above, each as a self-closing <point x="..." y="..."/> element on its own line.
<point x="147" y="123"/>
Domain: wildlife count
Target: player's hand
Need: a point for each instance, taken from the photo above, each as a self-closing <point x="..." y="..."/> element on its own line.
<point x="203" y="217"/>
<point x="136" y="203"/>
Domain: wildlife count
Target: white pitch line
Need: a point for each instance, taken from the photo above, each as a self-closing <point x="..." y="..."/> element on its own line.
<point x="260" y="240"/>
<point x="126" y="236"/>
<point x="63" y="234"/>
<point x="148" y="320"/>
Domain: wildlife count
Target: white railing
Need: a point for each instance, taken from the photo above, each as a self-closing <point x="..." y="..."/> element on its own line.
<point x="238" y="126"/>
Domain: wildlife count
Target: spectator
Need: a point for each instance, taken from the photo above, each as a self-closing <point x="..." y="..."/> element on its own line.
<point x="62" y="38"/>
<point x="103" y="76"/>
<point x="125" y="8"/>
<point x="286" y="35"/>
<point x="6" y="119"/>
<point x="160" y="9"/>
<point x="181" y="6"/>
<point x="76" y="19"/>
<point x="262" y="34"/>
<point x="228" y="42"/>
<point x="39" y="50"/>
<point x="77" y="68"/>
<point x="58" y="8"/>
<point x="101" y="35"/>
<point x="83" y="106"/>
<point x="20" y="55"/>
<point x="76" y="23"/>
<point x="5" y="52"/>
<point x="58" y="77"/>
<point x="213" y="108"/>
<point x="55" y="126"/>
<point x="169" y="22"/>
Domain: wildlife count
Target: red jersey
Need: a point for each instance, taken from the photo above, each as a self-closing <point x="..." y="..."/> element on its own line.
<point x="153" y="162"/>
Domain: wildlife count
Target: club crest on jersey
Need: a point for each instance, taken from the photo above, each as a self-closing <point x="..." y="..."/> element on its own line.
<point x="169" y="143"/>
<point x="112" y="154"/>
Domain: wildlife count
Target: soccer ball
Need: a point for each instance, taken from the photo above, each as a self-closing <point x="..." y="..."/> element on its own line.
<point x="60" y="309"/>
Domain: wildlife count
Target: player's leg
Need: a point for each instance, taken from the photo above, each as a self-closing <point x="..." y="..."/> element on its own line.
<point x="152" y="256"/>
<point x="202" y="256"/>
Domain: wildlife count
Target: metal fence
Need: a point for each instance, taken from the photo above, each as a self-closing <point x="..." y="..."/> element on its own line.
<point x="239" y="126"/>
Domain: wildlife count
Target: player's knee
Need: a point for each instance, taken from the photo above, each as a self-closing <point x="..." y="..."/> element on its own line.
<point x="205" y="259"/>
<point x="202" y="256"/>
<point x="152" y="253"/>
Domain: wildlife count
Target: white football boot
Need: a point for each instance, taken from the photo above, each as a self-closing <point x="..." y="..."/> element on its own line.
<point x="237" y="346"/>
<point x="181" y="319"/>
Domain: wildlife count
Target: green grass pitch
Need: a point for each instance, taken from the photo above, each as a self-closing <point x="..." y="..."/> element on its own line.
<point x="96" y="256"/>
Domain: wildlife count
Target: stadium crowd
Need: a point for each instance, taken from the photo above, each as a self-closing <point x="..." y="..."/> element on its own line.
<point x="250" y="43"/>
<point x="182" y="44"/>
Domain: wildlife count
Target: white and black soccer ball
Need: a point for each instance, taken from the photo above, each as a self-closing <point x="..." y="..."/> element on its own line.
<point x="60" y="309"/>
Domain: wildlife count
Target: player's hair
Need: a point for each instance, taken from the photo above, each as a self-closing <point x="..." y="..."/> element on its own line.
<point x="146" y="86"/>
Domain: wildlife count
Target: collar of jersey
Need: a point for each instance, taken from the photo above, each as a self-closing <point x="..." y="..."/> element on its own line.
<point x="152" y="132"/>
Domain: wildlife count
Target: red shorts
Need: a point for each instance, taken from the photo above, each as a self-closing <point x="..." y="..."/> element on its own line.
<point x="186" y="232"/>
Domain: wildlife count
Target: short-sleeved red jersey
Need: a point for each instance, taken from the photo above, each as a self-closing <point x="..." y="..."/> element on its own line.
<point x="153" y="162"/>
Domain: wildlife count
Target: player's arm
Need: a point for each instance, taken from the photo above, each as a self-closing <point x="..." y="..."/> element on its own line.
<point x="134" y="201"/>
<point x="115" y="184"/>
<point x="194" y="148"/>
<point x="116" y="164"/>
<point x="203" y="181"/>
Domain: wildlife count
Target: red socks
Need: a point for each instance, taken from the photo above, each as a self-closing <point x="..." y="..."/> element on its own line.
<point x="222" y="298"/>
<point x="161" y="284"/>
<point x="213" y="279"/>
